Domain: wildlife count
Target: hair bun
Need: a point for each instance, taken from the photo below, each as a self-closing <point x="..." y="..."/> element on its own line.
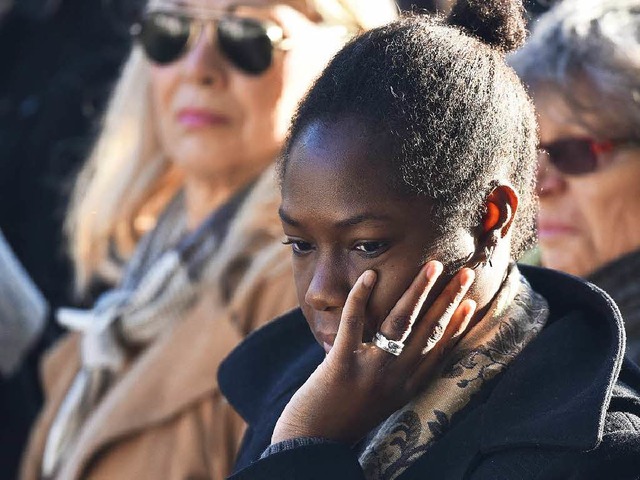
<point x="499" y="23"/>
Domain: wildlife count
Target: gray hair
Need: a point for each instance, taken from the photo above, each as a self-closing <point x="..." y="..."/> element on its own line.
<point x="590" y="51"/>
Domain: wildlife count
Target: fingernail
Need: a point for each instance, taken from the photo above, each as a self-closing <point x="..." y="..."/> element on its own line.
<point x="471" y="308"/>
<point x="369" y="278"/>
<point x="433" y="269"/>
<point x="468" y="278"/>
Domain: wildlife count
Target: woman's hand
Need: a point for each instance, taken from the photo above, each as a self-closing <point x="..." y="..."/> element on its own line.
<point x="359" y="384"/>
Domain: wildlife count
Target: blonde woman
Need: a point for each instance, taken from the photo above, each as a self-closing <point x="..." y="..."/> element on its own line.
<point x="195" y="123"/>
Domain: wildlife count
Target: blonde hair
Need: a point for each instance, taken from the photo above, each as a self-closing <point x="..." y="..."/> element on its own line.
<point x="356" y="15"/>
<point x="127" y="181"/>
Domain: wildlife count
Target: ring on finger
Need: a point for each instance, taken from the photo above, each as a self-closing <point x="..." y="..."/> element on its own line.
<point x="392" y="346"/>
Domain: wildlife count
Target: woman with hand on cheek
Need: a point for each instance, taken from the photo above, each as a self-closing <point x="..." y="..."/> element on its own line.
<point x="420" y="349"/>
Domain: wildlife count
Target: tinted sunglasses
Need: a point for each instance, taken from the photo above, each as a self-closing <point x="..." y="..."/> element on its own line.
<point x="578" y="156"/>
<point x="248" y="43"/>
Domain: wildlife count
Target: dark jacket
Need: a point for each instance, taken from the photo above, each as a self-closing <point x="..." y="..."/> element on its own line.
<point x="567" y="407"/>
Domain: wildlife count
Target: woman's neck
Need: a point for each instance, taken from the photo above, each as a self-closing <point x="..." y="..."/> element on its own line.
<point x="204" y="195"/>
<point x="488" y="283"/>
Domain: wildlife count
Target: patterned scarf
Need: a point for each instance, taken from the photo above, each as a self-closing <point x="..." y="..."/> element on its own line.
<point x="161" y="282"/>
<point x="515" y="317"/>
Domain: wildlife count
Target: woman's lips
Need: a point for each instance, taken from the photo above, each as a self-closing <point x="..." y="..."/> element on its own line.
<point x="196" y="117"/>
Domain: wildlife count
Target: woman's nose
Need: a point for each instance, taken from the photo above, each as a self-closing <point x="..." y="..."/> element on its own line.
<point x="549" y="180"/>
<point x="328" y="288"/>
<point x="203" y="63"/>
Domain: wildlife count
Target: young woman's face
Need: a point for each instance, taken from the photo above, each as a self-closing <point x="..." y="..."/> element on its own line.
<point x="585" y="221"/>
<point x="213" y="118"/>
<point x="342" y="216"/>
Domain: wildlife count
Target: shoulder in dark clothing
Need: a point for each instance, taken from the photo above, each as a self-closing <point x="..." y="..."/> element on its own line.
<point x="567" y="407"/>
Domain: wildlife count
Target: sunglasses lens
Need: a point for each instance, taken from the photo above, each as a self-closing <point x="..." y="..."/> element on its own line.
<point x="164" y="36"/>
<point x="572" y="156"/>
<point x="245" y="42"/>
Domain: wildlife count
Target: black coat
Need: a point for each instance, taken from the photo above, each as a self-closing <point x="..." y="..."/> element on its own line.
<point x="567" y="407"/>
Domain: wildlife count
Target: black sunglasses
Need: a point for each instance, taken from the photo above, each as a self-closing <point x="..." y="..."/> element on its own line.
<point x="248" y="43"/>
<point x="578" y="156"/>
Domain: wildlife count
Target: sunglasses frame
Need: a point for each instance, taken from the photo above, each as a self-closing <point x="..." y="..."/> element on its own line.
<point x="198" y="18"/>
<point x="596" y="147"/>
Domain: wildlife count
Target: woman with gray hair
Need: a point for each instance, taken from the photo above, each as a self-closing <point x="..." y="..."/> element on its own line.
<point x="582" y="65"/>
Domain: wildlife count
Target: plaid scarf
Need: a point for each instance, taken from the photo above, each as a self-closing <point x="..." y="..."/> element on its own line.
<point x="515" y="317"/>
<point x="162" y="281"/>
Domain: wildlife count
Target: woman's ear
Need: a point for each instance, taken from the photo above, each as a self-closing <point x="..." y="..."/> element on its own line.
<point x="500" y="208"/>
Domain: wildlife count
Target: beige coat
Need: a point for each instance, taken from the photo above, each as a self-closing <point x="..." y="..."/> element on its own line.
<point x="165" y="417"/>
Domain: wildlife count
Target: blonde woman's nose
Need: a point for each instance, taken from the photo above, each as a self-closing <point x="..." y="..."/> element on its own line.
<point x="203" y="62"/>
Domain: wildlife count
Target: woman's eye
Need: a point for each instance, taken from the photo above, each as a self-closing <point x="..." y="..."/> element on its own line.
<point x="371" y="249"/>
<point x="299" y="247"/>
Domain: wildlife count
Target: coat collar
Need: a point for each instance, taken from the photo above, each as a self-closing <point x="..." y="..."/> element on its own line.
<point x="578" y="354"/>
<point x="272" y="362"/>
<point x="174" y="372"/>
<point x="619" y="279"/>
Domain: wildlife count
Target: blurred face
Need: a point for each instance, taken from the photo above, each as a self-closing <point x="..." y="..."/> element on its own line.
<point x="213" y="118"/>
<point x="342" y="216"/>
<point x="585" y="220"/>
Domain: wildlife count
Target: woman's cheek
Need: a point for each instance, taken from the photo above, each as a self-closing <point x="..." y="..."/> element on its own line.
<point x="302" y="279"/>
<point x="381" y="302"/>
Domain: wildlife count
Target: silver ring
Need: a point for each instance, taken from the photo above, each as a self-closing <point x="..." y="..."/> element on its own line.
<point x="391" y="346"/>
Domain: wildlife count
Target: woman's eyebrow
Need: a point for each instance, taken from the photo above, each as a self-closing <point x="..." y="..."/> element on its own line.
<point x="361" y="218"/>
<point x="287" y="219"/>
<point x="346" y="222"/>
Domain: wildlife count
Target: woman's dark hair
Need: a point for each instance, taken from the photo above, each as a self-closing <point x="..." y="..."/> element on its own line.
<point x="453" y="115"/>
